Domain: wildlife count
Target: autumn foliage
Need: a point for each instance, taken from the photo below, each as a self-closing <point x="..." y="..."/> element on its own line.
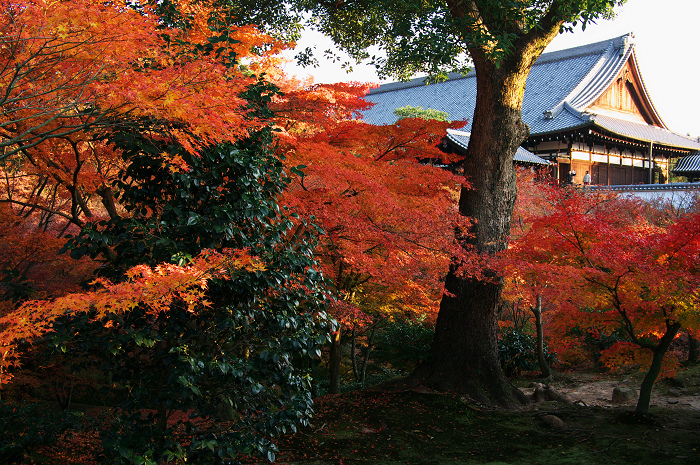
<point x="605" y="263"/>
<point x="375" y="190"/>
<point x="183" y="219"/>
<point x="385" y="200"/>
<point x="69" y="65"/>
<point x="387" y="211"/>
<point x="72" y="71"/>
<point x="144" y="137"/>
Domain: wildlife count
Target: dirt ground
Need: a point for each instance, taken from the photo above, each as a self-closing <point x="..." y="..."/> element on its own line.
<point x="596" y="390"/>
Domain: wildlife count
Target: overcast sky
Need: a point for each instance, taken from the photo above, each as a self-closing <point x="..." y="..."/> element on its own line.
<point x="667" y="34"/>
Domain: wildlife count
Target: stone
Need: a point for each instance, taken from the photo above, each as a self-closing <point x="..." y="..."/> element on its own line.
<point x="623" y="394"/>
<point x="553" y="394"/>
<point x="539" y="394"/>
<point x="553" y="422"/>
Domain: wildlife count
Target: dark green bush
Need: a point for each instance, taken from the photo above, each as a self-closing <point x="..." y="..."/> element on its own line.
<point x="239" y="364"/>
<point x="518" y="352"/>
<point x="401" y="344"/>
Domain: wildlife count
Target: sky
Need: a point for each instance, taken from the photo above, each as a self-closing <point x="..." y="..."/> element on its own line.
<point x="667" y="36"/>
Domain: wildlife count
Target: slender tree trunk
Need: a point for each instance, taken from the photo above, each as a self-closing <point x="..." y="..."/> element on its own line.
<point x="334" y="358"/>
<point x="353" y="355"/>
<point x="693" y="347"/>
<point x="655" y="368"/>
<point x="368" y="351"/>
<point x="537" y="311"/>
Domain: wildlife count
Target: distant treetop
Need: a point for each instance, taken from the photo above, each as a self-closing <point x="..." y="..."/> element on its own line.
<point x="418" y="112"/>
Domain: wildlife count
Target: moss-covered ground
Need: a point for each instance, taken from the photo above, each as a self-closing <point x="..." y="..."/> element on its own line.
<point x="378" y="427"/>
<point x="381" y="427"/>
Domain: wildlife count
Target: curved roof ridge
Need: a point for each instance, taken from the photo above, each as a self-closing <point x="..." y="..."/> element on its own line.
<point x="600" y="75"/>
<point x="606" y="74"/>
<point x="645" y="90"/>
<point x="566" y="54"/>
<point x="582" y="50"/>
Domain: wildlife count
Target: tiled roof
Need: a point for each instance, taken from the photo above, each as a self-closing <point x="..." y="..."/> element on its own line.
<point x="569" y="118"/>
<point x="461" y="139"/>
<point x="688" y="164"/>
<point x="456" y="96"/>
<point x="645" y="132"/>
<point x="559" y="88"/>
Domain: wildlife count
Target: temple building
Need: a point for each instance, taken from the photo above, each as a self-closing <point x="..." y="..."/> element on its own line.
<point x="689" y="167"/>
<point x="587" y="109"/>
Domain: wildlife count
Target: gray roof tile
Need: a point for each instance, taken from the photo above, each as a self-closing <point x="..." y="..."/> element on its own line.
<point x="645" y="132"/>
<point x="561" y="83"/>
<point x="461" y="139"/>
<point x="688" y="164"/>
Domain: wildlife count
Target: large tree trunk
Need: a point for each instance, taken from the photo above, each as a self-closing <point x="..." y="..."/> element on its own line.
<point x="464" y="354"/>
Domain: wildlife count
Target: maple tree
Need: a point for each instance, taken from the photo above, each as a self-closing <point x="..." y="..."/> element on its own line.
<point x="71" y="75"/>
<point x="524" y="287"/>
<point x="30" y="263"/>
<point x="210" y="299"/>
<point x="30" y="268"/>
<point x="219" y="333"/>
<point x="503" y="39"/>
<point x="73" y="64"/>
<point x="615" y="263"/>
<point x="387" y="209"/>
<point x="81" y="165"/>
<point x="74" y="70"/>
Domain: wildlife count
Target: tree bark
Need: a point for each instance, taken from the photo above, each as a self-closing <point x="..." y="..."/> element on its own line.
<point x="334" y="359"/>
<point x="655" y="368"/>
<point x="464" y="354"/>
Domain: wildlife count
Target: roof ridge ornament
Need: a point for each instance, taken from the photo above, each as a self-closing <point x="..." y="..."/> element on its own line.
<point x="628" y="40"/>
<point x="589" y="116"/>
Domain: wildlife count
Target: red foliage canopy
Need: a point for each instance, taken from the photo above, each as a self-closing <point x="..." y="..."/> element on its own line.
<point x="608" y="262"/>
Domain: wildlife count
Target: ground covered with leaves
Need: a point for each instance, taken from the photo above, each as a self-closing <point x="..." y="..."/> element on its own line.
<point x="377" y="427"/>
<point x="409" y="427"/>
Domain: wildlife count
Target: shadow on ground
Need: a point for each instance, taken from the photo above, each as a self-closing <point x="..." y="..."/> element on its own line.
<point x="377" y="427"/>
